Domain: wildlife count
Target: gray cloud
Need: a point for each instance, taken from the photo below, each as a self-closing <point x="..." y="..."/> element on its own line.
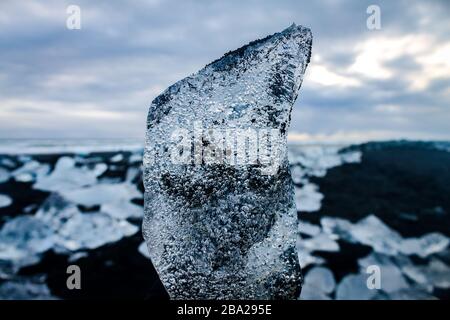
<point x="100" y="80"/>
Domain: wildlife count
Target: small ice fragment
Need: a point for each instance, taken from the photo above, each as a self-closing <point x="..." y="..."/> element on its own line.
<point x="102" y="194"/>
<point x="5" y="201"/>
<point x="122" y="209"/>
<point x="4" y="175"/>
<point x="307" y="198"/>
<point x="425" y="245"/>
<point x="31" y="171"/>
<point x="143" y="249"/>
<point x="117" y="158"/>
<point x="318" y="284"/>
<point x="320" y="242"/>
<point x="309" y="229"/>
<point x="66" y="176"/>
<point x="354" y="287"/>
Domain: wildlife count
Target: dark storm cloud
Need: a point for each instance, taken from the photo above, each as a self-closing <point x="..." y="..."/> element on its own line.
<point x="54" y="81"/>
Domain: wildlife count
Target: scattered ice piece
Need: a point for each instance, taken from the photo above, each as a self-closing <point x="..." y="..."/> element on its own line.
<point x="306" y="258"/>
<point x="24" y="289"/>
<point x="425" y="245"/>
<point x="438" y="273"/>
<point x="77" y="256"/>
<point x="316" y="160"/>
<point x="60" y="226"/>
<point x="5" y="201"/>
<point x="320" y="242"/>
<point x="102" y="194"/>
<point x="337" y="227"/>
<point x="117" y="158"/>
<point x="23" y="239"/>
<point x="99" y="169"/>
<point x="122" y="209"/>
<point x="309" y="228"/>
<point x="416" y="274"/>
<point x="298" y="175"/>
<point x="132" y="173"/>
<point x="351" y="157"/>
<point x="354" y="287"/>
<point x="391" y="276"/>
<point x="4" y="175"/>
<point x="7" y="163"/>
<point x="143" y="249"/>
<point x="31" y="171"/>
<point x="66" y="176"/>
<point x="307" y="198"/>
<point x="135" y="157"/>
<point x="318" y="284"/>
<point x="371" y="231"/>
<point x="92" y="231"/>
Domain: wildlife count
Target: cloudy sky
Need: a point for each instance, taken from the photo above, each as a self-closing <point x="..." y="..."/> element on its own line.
<point x="97" y="82"/>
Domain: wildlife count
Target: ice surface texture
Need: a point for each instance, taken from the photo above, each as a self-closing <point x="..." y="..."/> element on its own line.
<point x="226" y="229"/>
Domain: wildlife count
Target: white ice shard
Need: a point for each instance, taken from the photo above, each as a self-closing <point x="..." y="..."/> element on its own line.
<point x="60" y="226"/>
<point x="316" y="160"/>
<point x="307" y="198"/>
<point x="391" y="276"/>
<point x="220" y="219"/>
<point x="5" y="200"/>
<point x="102" y="194"/>
<point x="318" y="285"/>
<point x="371" y="231"/>
<point x="25" y="289"/>
<point x="425" y="245"/>
<point x="435" y="274"/>
<point x="320" y="242"/>
<point x="143" y="249"/>
<point x="309" y="229"/>
<point x="4" y="175"/>
<point x="354" y="287"/>
<point x="31" y="171"/>
<point x="67" y="176"/>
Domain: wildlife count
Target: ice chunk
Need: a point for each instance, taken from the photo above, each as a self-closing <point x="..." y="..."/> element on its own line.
<point x="92" y="231"/>
<point x="31" y="171"/>
<point x="4" y="175"/>
<point x="371" y="231"/>
<point x="23" y="239"/>
<point x="143" y="249"/>
<point x="135" y="157"/>
<point x="316" y="160"/>
<point x="425" y="245"/>
<point x="66" y="176"/>
<point x="114" y="194"/>
<point x="298" y="175"/>
<point x="117" y="158"/>
<point x="354" y="287"/>
<point x="218" y="224"/>
<point x="77" y="256"/>
<point x="320" y="242"/>
<point x="60" y="226"/>
<point x="5" y="201"/>
<point x="122" y="210"/>
<point x="309" y="229"/>
<point x="435" y="274"/>
<point x="25" y="289"/>
<point x="391" y="276"/>
<point x="307" y="198"/>
<point x="319" y="283"/>
<point x="306" y="258"/>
